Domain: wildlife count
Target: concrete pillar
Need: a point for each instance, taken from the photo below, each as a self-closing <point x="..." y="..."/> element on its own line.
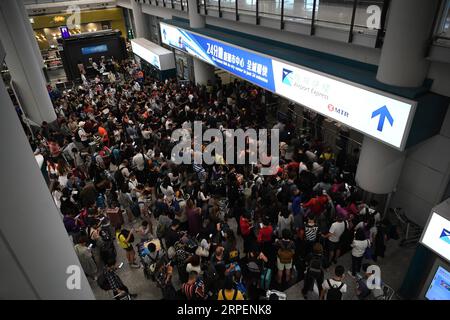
<point x="141" y="28"/>
<point x="196" y="20"/>
<point x="203" y="72"/>
<point x="379" y="167"/>
<point x="35" y="250"/>
<point x="22" y="64"/>
<point x="403" y="57"/>
<point x="30" y="33"/>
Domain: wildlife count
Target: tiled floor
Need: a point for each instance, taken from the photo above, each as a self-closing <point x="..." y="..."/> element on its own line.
<point x="393" y="268"/>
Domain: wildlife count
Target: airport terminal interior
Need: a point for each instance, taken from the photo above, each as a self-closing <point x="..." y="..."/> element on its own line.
<point x="225" y="150"/>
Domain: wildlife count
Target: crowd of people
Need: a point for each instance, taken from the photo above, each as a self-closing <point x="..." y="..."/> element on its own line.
<point x="108" y="163"/>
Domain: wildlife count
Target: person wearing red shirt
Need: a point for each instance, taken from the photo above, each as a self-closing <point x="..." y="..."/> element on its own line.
<point x="246" y="228"/>
<point x="104" y="134"/>
<point x="316" y="204"/>
<point x="265" y="236"/>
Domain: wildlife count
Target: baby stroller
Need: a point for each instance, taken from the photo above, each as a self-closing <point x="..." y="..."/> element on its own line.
<point x="149" y="261"/>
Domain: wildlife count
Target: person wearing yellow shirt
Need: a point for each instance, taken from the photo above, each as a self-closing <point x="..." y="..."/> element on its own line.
<point x="125" y="240"/>
<point x="327" y="155"/>
<point x="230" y="292"/>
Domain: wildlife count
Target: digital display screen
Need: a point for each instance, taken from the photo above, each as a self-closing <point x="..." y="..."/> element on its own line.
<point x="94" y="49"/>
<point x="440" y="286"/>
<point x="437" y="235"/>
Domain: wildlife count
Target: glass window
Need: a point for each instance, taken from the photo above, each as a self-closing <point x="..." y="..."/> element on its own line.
<point x="443" y="30"/>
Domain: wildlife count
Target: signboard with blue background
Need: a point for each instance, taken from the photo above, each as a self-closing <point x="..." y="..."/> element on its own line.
<point x="382" y="116"/>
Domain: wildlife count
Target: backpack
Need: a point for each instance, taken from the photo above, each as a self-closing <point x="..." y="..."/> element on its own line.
<point x="125" y="233"/>
<point x="136" y="210"/>
<point x="119" y="178"/>
<point x="107" y="251"/>
<point x="253" y="267"/>
<point x="103" y="283"/>
<point x="234" y="254"/>
<point x="285" y="254"/>
<point x="161" y="230"/>
<point x="334" y="293"/>
<point x="234" y="294"/>
<point x="315" y="264"/>
<point x="100" y="201"/>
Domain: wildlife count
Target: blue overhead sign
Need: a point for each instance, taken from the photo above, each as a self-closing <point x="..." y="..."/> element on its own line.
<point x="359" y="107"/>
<point x="244" y="64"/>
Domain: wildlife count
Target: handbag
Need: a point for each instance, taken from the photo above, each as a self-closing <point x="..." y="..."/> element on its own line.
<point x="368" y="253"/>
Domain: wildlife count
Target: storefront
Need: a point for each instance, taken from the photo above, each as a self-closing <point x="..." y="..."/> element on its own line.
<point x="47" y="29"/>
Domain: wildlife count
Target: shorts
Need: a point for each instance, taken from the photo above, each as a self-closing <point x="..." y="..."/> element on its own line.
<point x="282" y="266"/>
<point x="333" y="246"/>
<point x="130" y="248"/>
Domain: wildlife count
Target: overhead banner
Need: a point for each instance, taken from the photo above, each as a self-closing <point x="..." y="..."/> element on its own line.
<point x="157" y="56"/>
<point x="379" y="115"/>
<point x="145" y="54"/>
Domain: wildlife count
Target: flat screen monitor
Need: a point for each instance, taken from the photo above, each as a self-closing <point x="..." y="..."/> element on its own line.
<point x="439" y="288"/>
<point x="437" y="235"/>
<point x="94" y="49"/>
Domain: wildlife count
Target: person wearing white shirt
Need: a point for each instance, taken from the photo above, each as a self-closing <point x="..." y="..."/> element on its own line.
<point x="371" y="211"/>
<point x="302" y="167"/>
<point x="146" y="133"/>
<point x="83" y="135"/>
<point x="359" y="246"/>
<point x="369" y="225"/>
<point x="280" y="126"/>
<point x="335" y="282"/>
<point x="123" y="168"/>
<point x="132" y="185"/>
<point x="139" y="161"/>
<point x="136" y="86"/>
<point x="167" y="191"/>
<point x="311" y="155"/>
<point x="334" y="237"/>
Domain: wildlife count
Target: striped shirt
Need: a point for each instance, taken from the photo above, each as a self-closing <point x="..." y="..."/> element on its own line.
<point x="311" y="232"/>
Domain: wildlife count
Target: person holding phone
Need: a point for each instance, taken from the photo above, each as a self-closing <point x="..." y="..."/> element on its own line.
<point x="86" y="258"/>
<point x="125" y="239"/>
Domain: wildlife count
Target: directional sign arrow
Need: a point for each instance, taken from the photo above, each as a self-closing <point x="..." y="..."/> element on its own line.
<point x="384" y="113"/>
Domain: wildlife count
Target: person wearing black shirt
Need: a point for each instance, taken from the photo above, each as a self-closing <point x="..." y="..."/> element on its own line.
<point x="172" y="235"/>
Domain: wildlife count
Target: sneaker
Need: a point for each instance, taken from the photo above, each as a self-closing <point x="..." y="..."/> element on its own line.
<point x="134" y="265"/>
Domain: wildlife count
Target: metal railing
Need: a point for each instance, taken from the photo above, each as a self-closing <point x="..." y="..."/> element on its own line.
<point x="312" y="12"/>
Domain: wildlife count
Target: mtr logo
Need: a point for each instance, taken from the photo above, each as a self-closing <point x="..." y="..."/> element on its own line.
<point x="340" y="111"/>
